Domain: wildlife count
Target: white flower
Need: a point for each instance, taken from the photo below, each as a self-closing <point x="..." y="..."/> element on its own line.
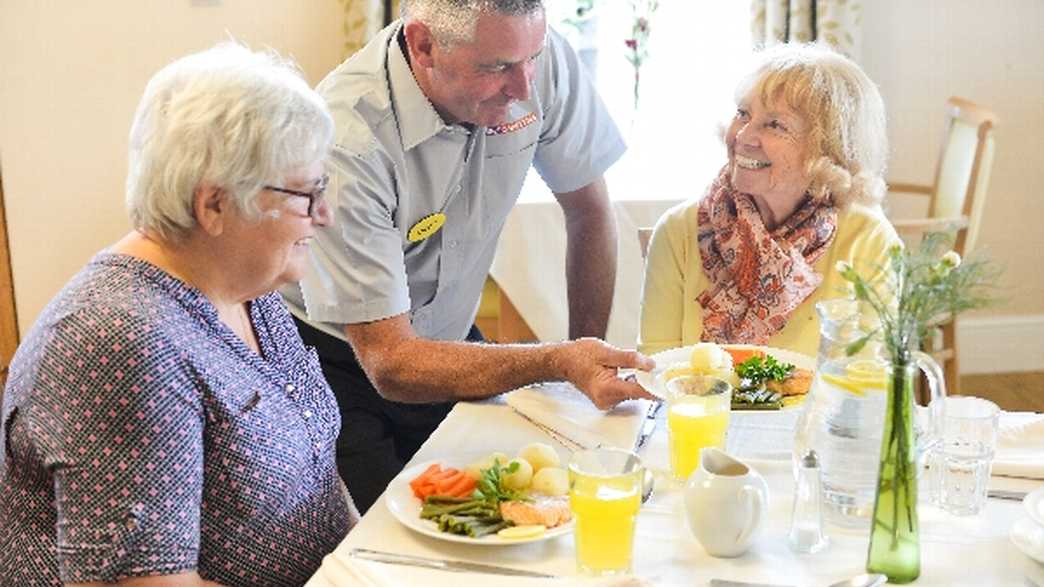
<point x="843" y="267"/>
<point x="951" y="259"/>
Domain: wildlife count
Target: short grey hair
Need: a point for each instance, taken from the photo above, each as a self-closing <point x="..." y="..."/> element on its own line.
<point x="227" y="116"/>
<point x="453" y="21"/>
<point x="848" y="140"/>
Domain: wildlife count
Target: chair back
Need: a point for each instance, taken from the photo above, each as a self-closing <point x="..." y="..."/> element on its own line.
<point x="963" y="173"/>
<point x="644" y="236"/>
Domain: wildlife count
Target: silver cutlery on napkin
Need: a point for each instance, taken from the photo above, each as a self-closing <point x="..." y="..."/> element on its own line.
<point x="558" y="436"/>
<point x="442" y="565"/>
<point x="1005" y="494"/>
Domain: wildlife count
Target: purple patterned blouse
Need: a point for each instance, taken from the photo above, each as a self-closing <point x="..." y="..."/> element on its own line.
<point x="143" y="437"/>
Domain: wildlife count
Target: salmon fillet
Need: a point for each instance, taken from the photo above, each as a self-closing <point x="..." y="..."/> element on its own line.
<point x="798" y="382"/>
<point x="544" y="509"/>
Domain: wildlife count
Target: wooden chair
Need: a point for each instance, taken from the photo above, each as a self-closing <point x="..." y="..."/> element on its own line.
<point x="956" y="201"/>
<point x="644" y="236"/>
<point x="499" y="319"/>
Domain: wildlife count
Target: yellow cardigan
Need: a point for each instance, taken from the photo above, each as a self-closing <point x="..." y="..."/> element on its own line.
<point x="674" y="278"/>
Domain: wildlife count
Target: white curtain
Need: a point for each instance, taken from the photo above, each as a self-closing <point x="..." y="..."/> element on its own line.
<point x="363" y="19"/>
<point x="836" y="22"/>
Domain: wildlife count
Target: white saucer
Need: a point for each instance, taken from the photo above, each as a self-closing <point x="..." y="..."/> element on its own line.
<point x="1029" y="538"/>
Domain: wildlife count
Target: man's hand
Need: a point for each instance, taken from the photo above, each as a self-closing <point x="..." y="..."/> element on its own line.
<point x="591" y="365"/>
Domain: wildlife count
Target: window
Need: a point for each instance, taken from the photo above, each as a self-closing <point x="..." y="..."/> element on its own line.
<point x="697" y="48"/>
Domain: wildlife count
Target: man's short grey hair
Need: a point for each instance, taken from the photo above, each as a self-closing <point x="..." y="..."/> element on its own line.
<point x="453" y="21"/>
<point x="230" y="117"/>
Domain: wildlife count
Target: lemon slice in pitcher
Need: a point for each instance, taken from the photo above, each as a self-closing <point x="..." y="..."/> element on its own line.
<point x="860" y="376"/>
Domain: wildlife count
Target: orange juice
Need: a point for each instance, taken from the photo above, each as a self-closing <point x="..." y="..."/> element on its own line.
<point x="695" y="422"/>
<point x="605" y="510"/>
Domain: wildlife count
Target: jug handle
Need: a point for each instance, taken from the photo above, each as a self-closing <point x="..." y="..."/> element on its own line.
<point x="755" y="501"/>
<point x="937" y="388"/>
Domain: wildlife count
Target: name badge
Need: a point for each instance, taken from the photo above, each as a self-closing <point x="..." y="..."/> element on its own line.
<point x="426" y="227"/>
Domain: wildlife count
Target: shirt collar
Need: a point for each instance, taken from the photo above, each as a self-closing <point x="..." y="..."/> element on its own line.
<point x="418" y="120"/>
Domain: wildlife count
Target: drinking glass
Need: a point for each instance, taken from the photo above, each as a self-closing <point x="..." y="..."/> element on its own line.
<point x="961" y="462"/>
<point x="697" y="417"/>
<point x="605" y="489"/>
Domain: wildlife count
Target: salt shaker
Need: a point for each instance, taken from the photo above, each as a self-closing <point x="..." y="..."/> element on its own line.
<point x="806" y="526"/>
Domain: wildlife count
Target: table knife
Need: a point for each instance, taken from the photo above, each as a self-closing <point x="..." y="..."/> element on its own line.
<point x="1005" y="494"/>
<point x="442" y="565"/>
<point x="648" y="426"/>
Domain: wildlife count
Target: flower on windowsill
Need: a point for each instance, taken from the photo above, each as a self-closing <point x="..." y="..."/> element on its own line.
<point x="918" y="289"/>
<point x="637" y="44"/>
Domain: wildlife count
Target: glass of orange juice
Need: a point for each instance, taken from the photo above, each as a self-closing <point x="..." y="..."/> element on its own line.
<point x="605" y="489"/>
<point x="697" y="417"/>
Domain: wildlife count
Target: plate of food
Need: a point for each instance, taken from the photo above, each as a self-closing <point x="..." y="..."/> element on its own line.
<point x="762" y="377"/>
<point x="492" y="501"/>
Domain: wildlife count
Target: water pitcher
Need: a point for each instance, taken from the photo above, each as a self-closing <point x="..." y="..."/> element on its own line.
<point x="843" y="417"/>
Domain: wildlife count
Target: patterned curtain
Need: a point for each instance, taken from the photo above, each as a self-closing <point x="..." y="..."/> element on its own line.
<point x="365" y="18"/>
<point x="836" y="22"/>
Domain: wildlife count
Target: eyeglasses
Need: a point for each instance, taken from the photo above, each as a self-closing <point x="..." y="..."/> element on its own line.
<point x="313" y="196"/>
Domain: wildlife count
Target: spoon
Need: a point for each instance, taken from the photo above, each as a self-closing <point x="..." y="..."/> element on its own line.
<point x="862" y="580"/>
<point x="647" y="485"/>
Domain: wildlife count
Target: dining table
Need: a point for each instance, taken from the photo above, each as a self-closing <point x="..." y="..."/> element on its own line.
<point x="955" y="550"/>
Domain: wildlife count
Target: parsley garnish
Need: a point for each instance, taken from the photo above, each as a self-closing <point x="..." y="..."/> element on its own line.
<point x="758" y="369"/>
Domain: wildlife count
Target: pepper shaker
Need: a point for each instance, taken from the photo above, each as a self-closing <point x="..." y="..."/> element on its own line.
<point x="806" y="526"/>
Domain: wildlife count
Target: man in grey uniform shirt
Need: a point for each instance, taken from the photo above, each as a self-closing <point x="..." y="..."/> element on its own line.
<point x="438" y="120"/>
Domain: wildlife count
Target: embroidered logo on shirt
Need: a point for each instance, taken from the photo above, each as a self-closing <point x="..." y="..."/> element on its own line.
<point x="426" y="227"/>
<point x="503" y="129"/>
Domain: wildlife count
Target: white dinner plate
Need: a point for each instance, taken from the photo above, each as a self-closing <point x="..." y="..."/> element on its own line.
<point x="1028" y="536"/>
<point x="1034" y="504"/>
<point x="406" y="508"/>
<point x="653" y="382"/>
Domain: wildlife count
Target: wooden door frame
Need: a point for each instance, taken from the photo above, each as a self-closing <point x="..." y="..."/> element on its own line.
<point x="8" y="316"/>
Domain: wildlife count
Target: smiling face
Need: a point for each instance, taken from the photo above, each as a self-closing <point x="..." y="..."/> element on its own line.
<point x="275" y="247"/>
<point x="475" y="82"/>
<point x="768" y="150"/>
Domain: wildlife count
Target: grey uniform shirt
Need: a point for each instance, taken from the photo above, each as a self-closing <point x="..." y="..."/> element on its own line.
<point x="396" y="162"/>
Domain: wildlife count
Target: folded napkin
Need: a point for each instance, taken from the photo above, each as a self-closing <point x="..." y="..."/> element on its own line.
<point x="1020" y="446"/>
<point x="347" y="571"/>
<point x="569" y="413"/>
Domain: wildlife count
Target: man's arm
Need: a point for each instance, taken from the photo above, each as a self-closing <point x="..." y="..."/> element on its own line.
<point x="407" y="368"/>
<point x="590" y="258"/>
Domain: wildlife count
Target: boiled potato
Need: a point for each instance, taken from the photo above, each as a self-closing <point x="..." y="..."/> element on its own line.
<point x="551" y="481"/>
<point x="474" y="470"/>
<point x="520" y="478"/>
<point x="539" y="455"/>
<point x="710" y="359"/>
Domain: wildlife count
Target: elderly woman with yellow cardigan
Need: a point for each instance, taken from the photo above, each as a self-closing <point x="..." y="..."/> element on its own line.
<point x="801" y="190"/>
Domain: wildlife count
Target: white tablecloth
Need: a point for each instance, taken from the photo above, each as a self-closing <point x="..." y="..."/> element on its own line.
<point x="530" y="262"/>
<point x="954" y="550"/>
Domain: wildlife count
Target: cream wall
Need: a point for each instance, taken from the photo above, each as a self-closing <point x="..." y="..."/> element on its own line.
<point x="71" y="73"/>
<point x="924" y="51"/>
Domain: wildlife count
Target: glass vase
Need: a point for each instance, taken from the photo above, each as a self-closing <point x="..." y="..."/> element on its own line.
<point x="894" y="534"/>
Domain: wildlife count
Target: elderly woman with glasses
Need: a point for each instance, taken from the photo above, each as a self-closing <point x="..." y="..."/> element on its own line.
<point x="163" y="422"/>
<point x="801" y="190"/>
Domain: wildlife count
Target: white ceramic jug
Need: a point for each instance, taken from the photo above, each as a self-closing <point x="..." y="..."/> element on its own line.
<point x="725" y="500"/>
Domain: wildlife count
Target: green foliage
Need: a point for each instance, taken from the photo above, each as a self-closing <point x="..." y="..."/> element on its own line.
<point x="919" y="288"/>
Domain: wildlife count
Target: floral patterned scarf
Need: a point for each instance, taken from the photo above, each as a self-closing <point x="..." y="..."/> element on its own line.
<point x="757" y="276"/>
